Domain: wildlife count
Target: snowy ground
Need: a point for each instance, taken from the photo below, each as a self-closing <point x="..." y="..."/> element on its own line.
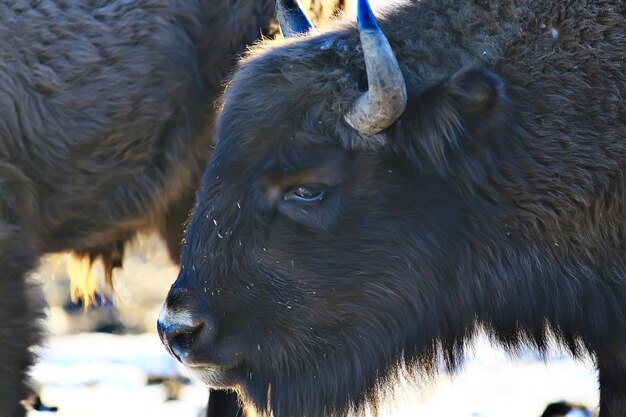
<point x="96" y="375"/>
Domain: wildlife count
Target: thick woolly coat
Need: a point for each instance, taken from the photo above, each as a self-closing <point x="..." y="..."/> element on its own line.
<point x="497" y="199"/>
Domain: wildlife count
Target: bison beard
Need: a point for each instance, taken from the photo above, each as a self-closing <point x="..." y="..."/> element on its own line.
<point x="104" y="132"/>
<point x="324" y="250"/>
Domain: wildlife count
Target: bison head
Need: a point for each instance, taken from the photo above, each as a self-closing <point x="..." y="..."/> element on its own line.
<point x="326" y="240"/>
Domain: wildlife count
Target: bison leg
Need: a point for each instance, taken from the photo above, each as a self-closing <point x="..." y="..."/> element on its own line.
<point x="223" y="404"/>
<point x="612" y="376"/>
<point x="20" y="327"/>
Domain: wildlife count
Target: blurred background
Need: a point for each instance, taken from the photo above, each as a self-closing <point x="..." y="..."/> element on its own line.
<point x="108" y="360"/>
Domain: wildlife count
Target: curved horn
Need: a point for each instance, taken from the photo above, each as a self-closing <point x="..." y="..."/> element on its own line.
<point x="386" y="97"/>
<point x="291" y="18"/>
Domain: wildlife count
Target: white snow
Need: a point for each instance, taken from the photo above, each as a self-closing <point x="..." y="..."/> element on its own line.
<point x="105" y="375"/>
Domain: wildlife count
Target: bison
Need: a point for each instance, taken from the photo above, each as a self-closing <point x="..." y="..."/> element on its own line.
<point x="105" y="115"/>
<point x="380" y="192"/>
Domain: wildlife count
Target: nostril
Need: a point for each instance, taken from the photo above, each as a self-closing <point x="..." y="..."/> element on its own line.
<point x="179" y="331"/>
<point x="183" y="337"/>
<point x="184" y="326"/>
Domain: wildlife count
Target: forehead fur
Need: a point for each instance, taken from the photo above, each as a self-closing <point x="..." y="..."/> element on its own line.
<point x="296" y="89"/>
<point x="307" y="84"/>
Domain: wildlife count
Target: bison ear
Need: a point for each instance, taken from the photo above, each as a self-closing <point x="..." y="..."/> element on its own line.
<point x="450" y="119"/>
<point x="476" y="90"/>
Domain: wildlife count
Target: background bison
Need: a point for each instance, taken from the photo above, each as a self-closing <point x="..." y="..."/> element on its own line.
<point x="105" y="109"/>
<point x="351" y="219"/>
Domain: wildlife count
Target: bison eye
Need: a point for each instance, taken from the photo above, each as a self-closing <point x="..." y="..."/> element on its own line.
<point x="312" y="205"/>
<point x="306" y="193"/>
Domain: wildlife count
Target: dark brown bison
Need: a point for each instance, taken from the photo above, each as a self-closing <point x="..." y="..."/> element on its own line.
<point x="105" y="109"/>
<point x="373" y="200"/>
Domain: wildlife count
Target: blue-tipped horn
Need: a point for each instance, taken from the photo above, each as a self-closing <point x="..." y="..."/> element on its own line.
<point x="292" y="20"/>
<point x="365" y="17"/>
<point x="385" y="99"/>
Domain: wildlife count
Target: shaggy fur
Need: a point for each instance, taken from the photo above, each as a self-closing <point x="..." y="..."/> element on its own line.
<point x="497" y="199"/>
<point x="104" y="132"/>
